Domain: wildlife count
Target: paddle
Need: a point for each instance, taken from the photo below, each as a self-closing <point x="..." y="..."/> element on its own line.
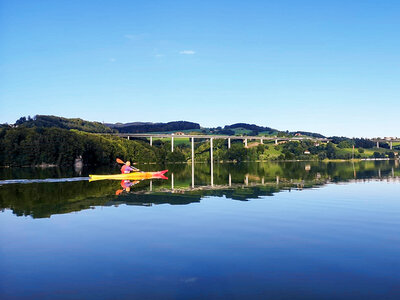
<point x="120" y="161"/>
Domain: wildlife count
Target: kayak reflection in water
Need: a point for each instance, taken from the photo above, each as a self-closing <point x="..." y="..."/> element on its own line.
<point x="126" y="186"/>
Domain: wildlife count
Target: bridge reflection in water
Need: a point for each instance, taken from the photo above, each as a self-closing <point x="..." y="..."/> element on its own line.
<point x="380" y="171"/>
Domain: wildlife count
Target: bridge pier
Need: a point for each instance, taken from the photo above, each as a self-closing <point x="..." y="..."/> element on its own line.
<point x="229" y="143"/>
<point x="377" y="145"/>
<point x="192" y="162"/>
<point x="261" y="141"/>
<point x="245" y="143"/>
<point x="276" y="141"/>
<point x="129" y="137"/>
<point x="211" y="149"/>
<point x="192" y="150"/>
<point x="151" y="141"/>
<point x="212" y="161"/>
<point x="391" y="145"/>
<point x="172" y="144"/>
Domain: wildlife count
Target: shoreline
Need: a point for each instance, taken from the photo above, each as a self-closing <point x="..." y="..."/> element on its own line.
<point x="46" y="166"/>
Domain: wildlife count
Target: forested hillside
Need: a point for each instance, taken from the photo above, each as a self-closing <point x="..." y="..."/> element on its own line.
<point x="254" y="128"/>
<point x="64" y="123"/>
<point x="34" y="146"/>
<point x="154" y="127"/>
<point x="46" y="121"/>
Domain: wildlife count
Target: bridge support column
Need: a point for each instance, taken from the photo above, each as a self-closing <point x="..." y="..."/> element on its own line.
<point x="391" y="145"/>
<point x="192" y="162"/>
<point x="211" y="149"/>
<point x="172" y="181"/>
<point x="261" y="141"/>
<point x="230" y="179"/>
<point x="229" y="143"/>
<point x="151" y="141"/>
<point x="212" y="161"/>
<point x="151" y="185"/>
<point x="129" y="137"/>
<point x="276" y="141"/>
<point x="377" y="145"/>
<point x="172" y="144"/>
<point x="245" y="143"/>
<point x="192" y="150"/>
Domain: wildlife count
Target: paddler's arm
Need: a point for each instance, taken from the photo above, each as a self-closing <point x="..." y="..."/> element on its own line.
<point x="134" y="169"/>
<point x="130" y="169"/>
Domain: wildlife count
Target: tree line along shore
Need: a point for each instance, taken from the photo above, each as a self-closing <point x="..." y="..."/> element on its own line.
<point x="33" y="145"/>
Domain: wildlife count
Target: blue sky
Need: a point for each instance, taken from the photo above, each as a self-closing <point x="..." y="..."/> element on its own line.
<point x="324" y="66"/>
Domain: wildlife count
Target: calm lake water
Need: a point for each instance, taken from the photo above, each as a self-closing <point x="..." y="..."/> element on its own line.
<point x="250" y="231"/>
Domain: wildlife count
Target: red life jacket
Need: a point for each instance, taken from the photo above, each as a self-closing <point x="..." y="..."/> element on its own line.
<point x="123" y="169"/>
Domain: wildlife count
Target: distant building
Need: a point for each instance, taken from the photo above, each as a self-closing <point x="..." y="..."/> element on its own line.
<point x="307" y="152"/>
<point x="179" y="133"/>
<point x="297" y="134"/>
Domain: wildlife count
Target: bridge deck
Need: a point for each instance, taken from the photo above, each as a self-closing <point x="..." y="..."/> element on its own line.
<point x="233" y="137"/>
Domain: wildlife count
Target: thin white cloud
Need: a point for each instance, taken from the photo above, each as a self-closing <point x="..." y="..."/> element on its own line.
<point x="187" y="52"/>
<point x="112" y="59"/>
<point x="159" y="55"/>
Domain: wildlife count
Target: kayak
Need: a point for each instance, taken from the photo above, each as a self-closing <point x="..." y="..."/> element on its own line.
<point x="131" y="176"/>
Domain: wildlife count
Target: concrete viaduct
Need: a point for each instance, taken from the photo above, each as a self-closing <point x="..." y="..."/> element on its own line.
<point x="245" y="139"/>
<point x="390" y="142"/>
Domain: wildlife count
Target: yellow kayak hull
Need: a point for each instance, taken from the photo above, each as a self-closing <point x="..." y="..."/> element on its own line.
<point x="130" y="176"/>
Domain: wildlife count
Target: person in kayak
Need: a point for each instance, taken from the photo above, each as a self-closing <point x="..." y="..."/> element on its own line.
<point x="126" y="168"/>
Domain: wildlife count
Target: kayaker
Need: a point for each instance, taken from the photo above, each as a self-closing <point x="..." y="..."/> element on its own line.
<point x="126" y="168"/>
